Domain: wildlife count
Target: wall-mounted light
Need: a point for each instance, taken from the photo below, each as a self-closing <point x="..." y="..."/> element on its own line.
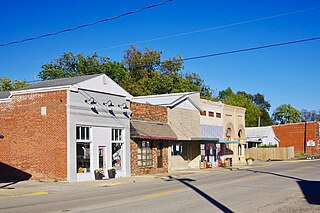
<point x="92" y="102"/>
<point x="123" y="106"/>
<point x="109" y="104"/>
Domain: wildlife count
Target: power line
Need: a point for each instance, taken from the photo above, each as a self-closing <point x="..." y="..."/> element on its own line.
<point x="192" y="32"/>
<point x="207" y="29"/>
<point x="236" y="51"/>
<point x="251" y="48"/>
<point x="86" y="25"/>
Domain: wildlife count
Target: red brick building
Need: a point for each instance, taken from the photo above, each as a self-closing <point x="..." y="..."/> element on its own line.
<point x="150" y="137"/>
<point x="299" y="135"/>
<point x="65" y="129"/>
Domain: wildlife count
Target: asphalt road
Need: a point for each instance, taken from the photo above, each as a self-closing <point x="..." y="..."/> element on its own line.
<point x="281" y="187"/>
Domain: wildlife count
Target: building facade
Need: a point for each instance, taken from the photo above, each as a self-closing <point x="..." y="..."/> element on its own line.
<point x="150" y="139"/>
<point x="304" y="137"/>
<point x="65" y="129"/>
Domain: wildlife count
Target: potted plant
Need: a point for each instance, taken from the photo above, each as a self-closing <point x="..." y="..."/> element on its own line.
<point x="112" y="172"/>
<point x="98" y="174"/>
<point x="249" y="161"/>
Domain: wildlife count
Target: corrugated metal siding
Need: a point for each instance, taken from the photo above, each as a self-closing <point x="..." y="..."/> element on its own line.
<point x="211" y="131"/>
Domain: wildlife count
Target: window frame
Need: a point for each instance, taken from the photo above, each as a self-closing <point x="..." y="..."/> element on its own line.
<point x="88" y="130"/>
<point x="145" y="156"/>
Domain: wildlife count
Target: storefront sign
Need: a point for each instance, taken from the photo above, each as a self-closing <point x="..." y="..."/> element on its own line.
<point x="311" y="143"/>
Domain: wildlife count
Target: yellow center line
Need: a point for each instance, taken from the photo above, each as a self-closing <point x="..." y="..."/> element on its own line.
<point x="257" y="175"/>
<point x="164" y="193"/>
<point x="39" y="193"/>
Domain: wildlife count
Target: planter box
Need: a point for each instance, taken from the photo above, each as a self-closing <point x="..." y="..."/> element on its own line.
<point x="98" y="175"/>
<point x="111" y="173"/>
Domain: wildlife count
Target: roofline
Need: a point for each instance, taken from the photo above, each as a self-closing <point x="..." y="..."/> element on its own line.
<point x="237" y="107"/>
<point x="162" y="95"/>
<point x="5" y="100"/>
<point x="45" y="89"/>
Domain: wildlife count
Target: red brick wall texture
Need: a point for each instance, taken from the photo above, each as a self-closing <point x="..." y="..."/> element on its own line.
<point x="293" y="135"/>
<point x="147" y="112"/>
<point x="34" y="143"/>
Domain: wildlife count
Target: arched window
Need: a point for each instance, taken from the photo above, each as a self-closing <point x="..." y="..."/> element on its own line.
<point x="240" y="134"/>
<point x="228" y="133"/>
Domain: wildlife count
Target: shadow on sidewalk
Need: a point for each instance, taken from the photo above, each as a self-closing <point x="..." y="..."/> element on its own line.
<point x="10" y="175"/>
<point x="185" y="181"/>
<point x="310" y="189"/>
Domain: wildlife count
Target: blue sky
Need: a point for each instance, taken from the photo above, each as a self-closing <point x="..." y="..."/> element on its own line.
<point x="285" y="75"/>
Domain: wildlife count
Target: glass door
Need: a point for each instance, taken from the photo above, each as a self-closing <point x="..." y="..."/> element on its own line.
<point x="102" y="159"/>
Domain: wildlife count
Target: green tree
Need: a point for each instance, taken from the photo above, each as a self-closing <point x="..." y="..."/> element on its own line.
<point x="7" y="85"/>
<point x="286" y="114"/>
<point x="69" y="65"/>
<point x="312" y="115"/>
<point x="141" y="73"/>
<point x="242" y="99"/>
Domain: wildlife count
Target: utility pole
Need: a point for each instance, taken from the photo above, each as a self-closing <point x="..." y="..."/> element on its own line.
<point x="305" y="138"/>
<point x="259" y="121"/>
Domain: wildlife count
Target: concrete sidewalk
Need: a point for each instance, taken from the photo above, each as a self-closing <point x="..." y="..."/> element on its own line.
<point x="37" y="188"/>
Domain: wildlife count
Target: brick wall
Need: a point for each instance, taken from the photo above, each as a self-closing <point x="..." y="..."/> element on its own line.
<point x="147" y="112"/>
<point x="139" y="170"/>
<point x="293" y="135"/>
<point x="33" y="143"/>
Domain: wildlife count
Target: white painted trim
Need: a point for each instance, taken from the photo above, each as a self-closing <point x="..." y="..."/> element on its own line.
<point x="68" y="138"/>
<point x="48" y="89"/>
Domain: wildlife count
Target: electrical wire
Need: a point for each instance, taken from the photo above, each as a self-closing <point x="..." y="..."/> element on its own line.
<point x="251" y="48"/>
<point x="237" y="51"/>
<point x="86" y="25"/>
<point x="190" y="32"/>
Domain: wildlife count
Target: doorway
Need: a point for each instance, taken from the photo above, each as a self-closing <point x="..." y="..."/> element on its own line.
<point x="102" y="158"/>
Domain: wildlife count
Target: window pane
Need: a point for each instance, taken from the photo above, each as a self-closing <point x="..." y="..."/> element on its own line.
<point x="117" y="155"/>
<point x="77" y="133"/>
<point x="83" y="157"/>
<point x="120" y="134"/>
<point x="82" y="133"/>
<point x="87" y="133"/>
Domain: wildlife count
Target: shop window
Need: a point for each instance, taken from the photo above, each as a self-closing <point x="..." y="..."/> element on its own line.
<point x="117" y="155"/>
<point x="83" y="133"/>
<point x="203" y="113"/>
<point x="83" y="157"/>
<point x="218" y="115"/>
<point x="176" y="149"/>
<point x="160" y="154"/>
<point x="144" y="153"/>
<point x="117" y="135"/>
<point x="211" y="114"/>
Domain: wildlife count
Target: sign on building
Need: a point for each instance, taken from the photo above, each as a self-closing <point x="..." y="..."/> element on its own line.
<point x="311" y="143"/>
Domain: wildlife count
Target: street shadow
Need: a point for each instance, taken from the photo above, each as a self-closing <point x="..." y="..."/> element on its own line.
<point x="310" y="189"/>
<point x="10" y="175"/>
<point x="186" y="182"/>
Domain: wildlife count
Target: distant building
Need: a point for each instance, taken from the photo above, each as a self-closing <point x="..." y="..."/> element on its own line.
<point x="260" y="136"/>
<point x="304" y="136"/>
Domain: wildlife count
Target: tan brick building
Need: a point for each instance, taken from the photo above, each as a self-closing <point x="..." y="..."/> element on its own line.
<point x="304" y="137"/>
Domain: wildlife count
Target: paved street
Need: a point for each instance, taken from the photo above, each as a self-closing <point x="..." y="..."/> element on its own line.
<point x="292" y="186"/>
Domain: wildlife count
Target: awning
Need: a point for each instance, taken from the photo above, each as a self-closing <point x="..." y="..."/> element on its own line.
<point x="227" y="141"/>
<point x="206" y="140"/>
<point x="151" y="130"/>
<point x="1" y="136"/>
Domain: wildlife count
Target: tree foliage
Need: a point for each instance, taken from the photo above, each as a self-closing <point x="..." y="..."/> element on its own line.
<point x="69" y="65"/>
<point x="312" y="115"/>
<point x="286" y="114"/>
<point x="7" y="85"/>
<point x="242" y="99"/>
<point x="141" y="73"/>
